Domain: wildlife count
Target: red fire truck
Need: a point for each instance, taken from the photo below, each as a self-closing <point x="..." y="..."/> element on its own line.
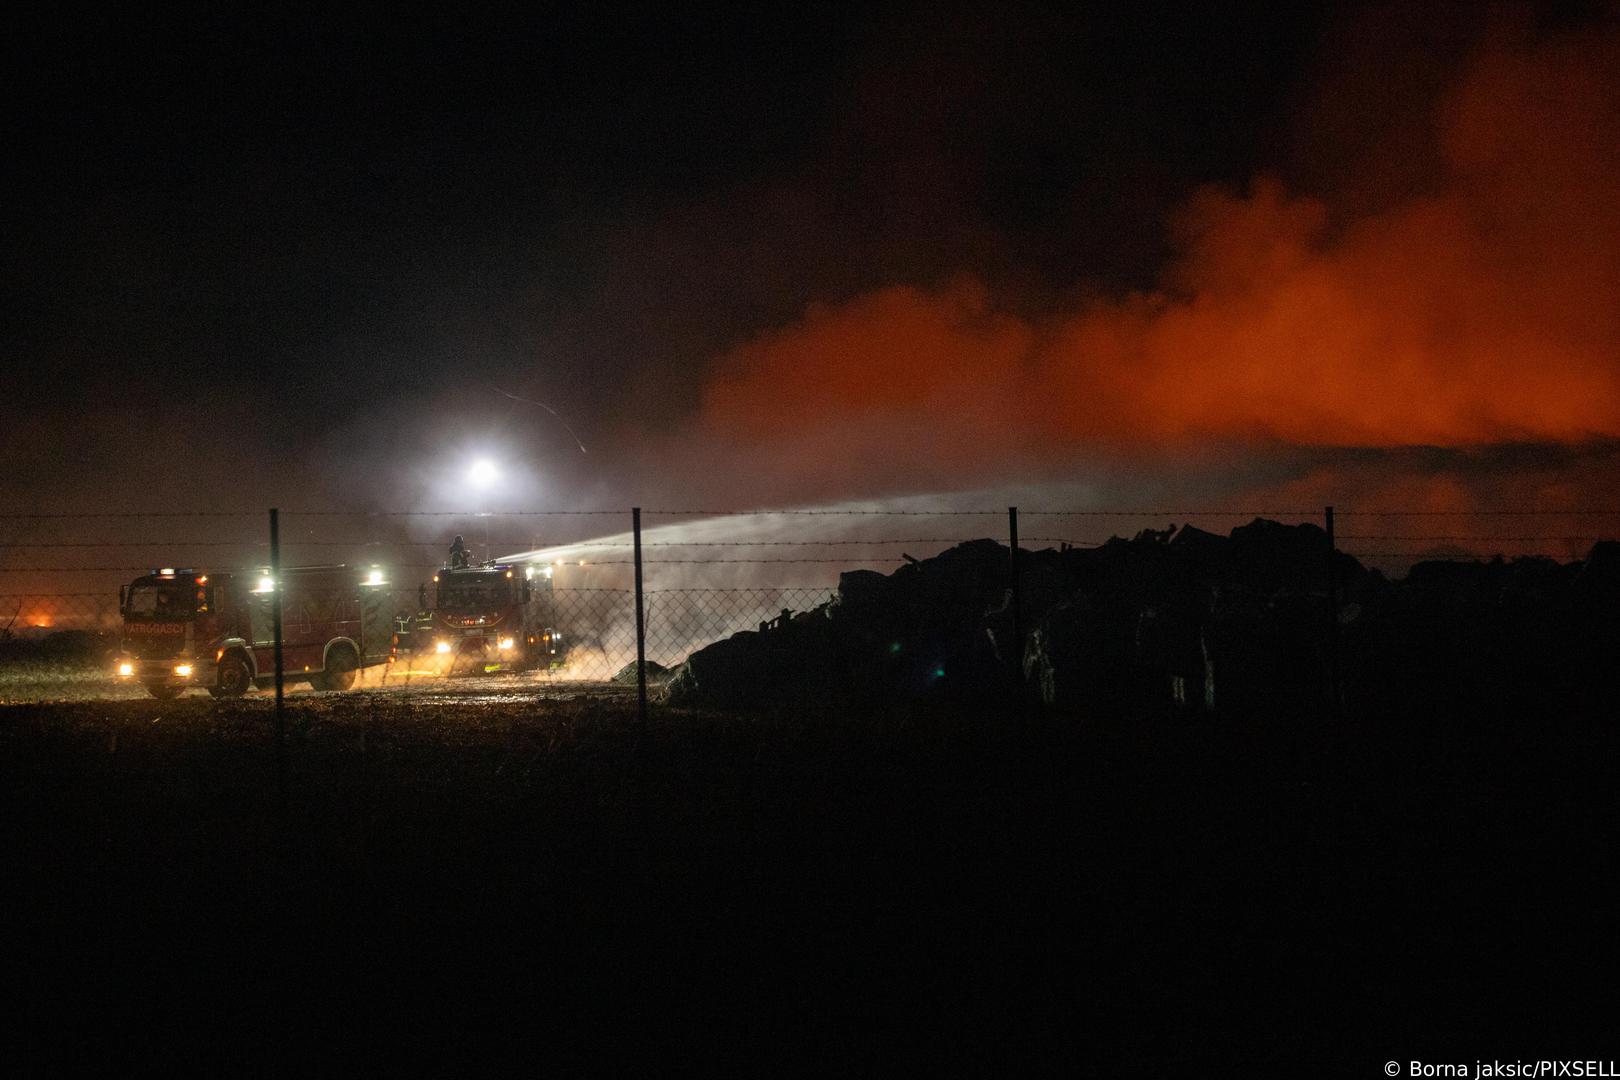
<point x="214" y="629"/>
<point x="488" y="618"/>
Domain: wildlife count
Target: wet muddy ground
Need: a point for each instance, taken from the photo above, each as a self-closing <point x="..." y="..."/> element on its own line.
<point x="471" y="867"/>
<point x="23" y="683"/>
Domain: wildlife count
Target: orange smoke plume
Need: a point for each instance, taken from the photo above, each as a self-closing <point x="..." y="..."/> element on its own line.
<point x="1485" y="310"/>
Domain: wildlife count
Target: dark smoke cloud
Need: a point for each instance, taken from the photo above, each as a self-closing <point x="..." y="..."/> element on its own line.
<point x="1481" y="307"/>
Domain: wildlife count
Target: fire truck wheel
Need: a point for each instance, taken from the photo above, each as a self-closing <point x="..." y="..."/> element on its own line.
<point x="339" y="673"/>
<point x="163" y="691"/>
<point x="233" y="678"/>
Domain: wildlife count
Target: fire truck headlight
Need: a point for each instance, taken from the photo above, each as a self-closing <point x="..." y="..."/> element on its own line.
<point x="506" y="643"/>
<point x="126" y="669"/>
<point x="183" y="670"/>
<point x="441" y="646"/>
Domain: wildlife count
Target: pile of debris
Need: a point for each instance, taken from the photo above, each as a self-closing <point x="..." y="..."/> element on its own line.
<point x="657" y="674"/>
<point x="1177" y="619"/>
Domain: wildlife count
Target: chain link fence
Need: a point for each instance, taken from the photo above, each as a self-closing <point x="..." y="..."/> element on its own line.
<point x="680" y="621"/>
<point x="707" y="574"/>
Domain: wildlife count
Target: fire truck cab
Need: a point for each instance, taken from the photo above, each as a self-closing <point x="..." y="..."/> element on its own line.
<point x="215" y="629"/>
<point x="493" y="617"/>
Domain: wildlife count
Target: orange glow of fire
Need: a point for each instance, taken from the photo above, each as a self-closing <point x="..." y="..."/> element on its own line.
<point x="1484" y="309"/>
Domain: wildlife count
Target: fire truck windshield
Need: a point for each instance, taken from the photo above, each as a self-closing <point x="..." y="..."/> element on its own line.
<point x="475" y="595"/>
<point x="168" y="600"/>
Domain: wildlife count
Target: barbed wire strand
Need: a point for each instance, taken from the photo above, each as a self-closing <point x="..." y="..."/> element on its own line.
<point x="1031" y="512"/>
<point x="1585" y="512"/>
<point x="136" y="514"/>
<point x="1472" y="539"/>
<point x="824" y="513"/>
<point x="541" y="547"/>
<point x="104" y="594"/>
<point x="455" y="513"/>
<point x="1450" y="556"/>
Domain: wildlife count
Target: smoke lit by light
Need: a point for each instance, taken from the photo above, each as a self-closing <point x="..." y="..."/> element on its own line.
<point x="1483" y="310"/>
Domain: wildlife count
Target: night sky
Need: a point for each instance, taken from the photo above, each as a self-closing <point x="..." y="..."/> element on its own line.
<point x="785" y="256"/>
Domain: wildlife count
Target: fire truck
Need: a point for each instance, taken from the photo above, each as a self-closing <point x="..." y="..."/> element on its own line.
<point x="488" y="618"/>
<point x="214" y="629"/>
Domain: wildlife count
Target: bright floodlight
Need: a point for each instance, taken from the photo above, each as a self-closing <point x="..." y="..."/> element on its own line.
<point x="483" y="473"/>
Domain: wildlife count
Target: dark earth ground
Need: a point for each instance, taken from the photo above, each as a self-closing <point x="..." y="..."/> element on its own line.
<point x="478" y="871"/>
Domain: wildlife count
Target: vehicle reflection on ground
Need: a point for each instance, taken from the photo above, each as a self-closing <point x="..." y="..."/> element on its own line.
<point x="421" y="685"/>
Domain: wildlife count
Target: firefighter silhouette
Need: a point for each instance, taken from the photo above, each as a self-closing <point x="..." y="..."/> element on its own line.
<point x="458" y="554"/>
<point x="421" y="597"/>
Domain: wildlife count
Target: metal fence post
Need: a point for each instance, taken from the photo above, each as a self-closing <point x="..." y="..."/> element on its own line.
<point x="1334" y="688"/>
<point x="275" y="626"/>
<point x="641" y="625"/>
<point x="1017" y="613"/>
